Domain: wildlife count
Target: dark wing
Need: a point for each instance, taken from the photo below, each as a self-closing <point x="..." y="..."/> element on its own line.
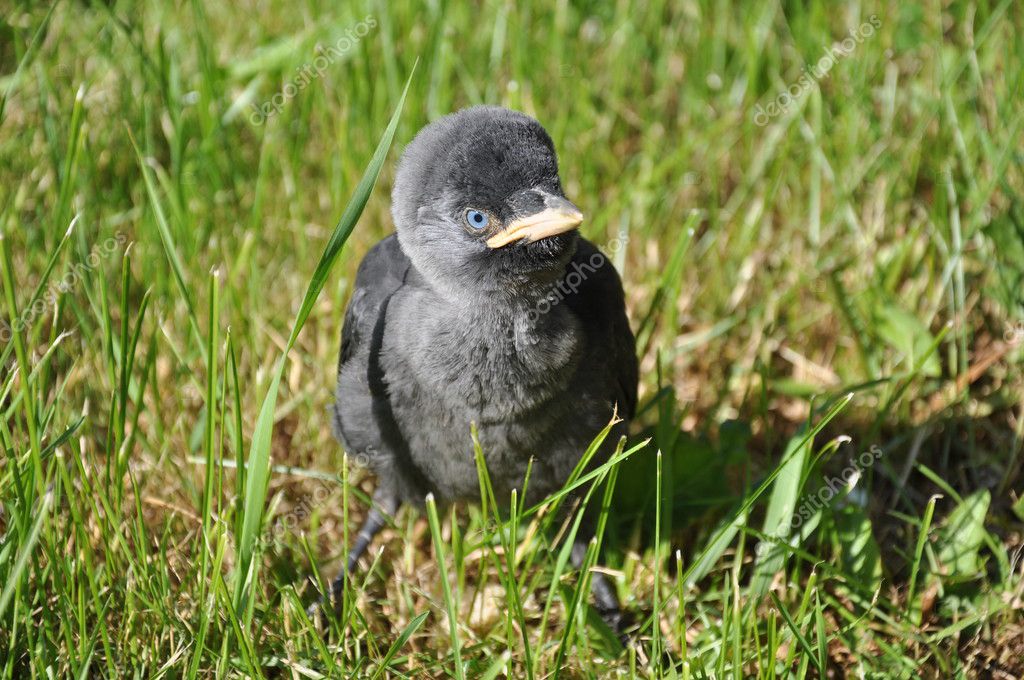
<point x="597" y="299"/>
<point x="381" y="273"/>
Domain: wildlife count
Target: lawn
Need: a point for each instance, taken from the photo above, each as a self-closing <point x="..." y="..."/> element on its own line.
<point x="818" y="213"/>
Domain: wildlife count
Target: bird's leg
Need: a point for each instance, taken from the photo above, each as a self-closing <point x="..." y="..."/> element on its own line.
<point x="606" y="602"/>
<point x="385" y="505"/>
<point x="375" y="520"/>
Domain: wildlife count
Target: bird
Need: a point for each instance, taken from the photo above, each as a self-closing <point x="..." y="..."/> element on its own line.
<point x="485" y="306"/>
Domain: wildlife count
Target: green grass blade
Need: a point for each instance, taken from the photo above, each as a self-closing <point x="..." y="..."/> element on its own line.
<point x="399" y="642"/>
<point x="24" y="552"/>
<point x="258" y="465"/>
<point x="449" y="598"/>
<point x="781" y="506"/>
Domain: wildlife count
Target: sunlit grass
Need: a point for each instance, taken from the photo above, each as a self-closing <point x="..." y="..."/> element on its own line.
<point x="844" y="278"/>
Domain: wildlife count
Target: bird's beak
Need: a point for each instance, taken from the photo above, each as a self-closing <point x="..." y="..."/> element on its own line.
<point x="558" y="216"/>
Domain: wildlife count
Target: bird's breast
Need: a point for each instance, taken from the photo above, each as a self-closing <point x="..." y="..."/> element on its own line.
<point x="494" y="366"/>
<point x="518" y="378"/>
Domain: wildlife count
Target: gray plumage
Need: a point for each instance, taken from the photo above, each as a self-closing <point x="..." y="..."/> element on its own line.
<point x="528" y="339"/>
<point x="442" y="331"/>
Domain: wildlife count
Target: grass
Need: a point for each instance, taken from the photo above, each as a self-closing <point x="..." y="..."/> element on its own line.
<point x="825" y="477"/>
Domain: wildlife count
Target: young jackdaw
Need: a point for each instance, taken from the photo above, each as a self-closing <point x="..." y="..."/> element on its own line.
<point x="486" y="307"/>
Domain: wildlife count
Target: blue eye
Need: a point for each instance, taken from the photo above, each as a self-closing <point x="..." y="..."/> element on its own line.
<point x="477" y="219"/>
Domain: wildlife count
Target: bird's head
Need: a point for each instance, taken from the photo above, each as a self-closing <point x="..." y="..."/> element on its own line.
<point x="478" y="205"/>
